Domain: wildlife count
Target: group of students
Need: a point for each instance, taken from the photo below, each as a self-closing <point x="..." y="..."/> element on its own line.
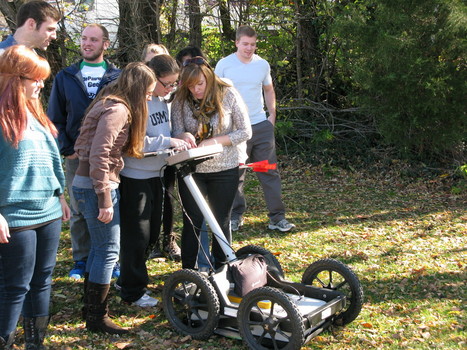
<point x="121" y="195"/>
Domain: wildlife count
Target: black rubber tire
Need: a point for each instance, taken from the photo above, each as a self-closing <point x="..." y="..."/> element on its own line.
<point x="286" y="332"/>
<point x="255" y="249"/>
<point x="332" y="274"/>
<point x="186" y="293"/>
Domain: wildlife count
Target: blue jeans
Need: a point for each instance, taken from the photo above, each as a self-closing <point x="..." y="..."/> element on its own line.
<point x="204" y="256"/>
<point x="26" y="266"/>
<point x="105" y="238"/>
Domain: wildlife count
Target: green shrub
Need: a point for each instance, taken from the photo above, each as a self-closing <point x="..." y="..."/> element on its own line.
<point x="407" y="65"/>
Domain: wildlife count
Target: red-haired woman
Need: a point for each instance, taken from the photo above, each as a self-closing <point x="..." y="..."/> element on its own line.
<point x="32" y="205"/>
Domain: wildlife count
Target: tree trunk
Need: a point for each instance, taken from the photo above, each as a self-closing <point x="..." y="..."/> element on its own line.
<point x="298" y="65"/>
<point x="9" y="10"/>
<point x="195" y="19"/>
<point x="172" y="19"/>
<point x="228" y="33"/>
<point x="139" y="25"/>
<point x="309" y="56"/>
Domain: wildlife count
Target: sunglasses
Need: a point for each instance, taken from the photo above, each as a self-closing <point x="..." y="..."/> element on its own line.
<point x="196" y="60"/>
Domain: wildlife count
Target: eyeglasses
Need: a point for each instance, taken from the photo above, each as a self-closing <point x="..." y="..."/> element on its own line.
<point x="168" y="85"/>
<point x="37" y="81"/>
<point x="195" y="60"/>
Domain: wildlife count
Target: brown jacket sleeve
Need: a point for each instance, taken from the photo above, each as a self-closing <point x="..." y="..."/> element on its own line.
<point x="105" y="155"/>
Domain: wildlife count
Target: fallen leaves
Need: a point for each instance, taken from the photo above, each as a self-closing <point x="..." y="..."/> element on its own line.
<point x="404" y="239"/>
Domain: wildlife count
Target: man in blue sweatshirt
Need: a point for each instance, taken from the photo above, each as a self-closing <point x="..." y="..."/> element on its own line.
<point x="73" y="90"/>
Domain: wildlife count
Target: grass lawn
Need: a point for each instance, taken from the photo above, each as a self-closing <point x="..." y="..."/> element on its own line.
<point x="405" y="237"/>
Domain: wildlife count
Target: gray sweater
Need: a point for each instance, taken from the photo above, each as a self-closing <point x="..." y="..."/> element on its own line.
<point x="157" y="139"/>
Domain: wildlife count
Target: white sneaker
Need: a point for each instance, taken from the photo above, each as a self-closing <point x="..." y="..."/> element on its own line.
<point x="145" y="301"/>
<point x="282" y="225"/>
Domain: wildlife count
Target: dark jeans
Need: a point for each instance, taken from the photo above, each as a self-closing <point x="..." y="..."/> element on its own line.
<point x="219" y="190"/>
<point x="26" y="266"/>
<point x="141" y="216"/>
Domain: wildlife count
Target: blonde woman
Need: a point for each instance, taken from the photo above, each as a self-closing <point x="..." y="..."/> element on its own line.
<point x="151" y="50"/>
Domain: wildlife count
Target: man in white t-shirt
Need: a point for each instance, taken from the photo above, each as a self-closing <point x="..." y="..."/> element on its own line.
<point x="73" y="90"/>
<point x="251" y="75"/>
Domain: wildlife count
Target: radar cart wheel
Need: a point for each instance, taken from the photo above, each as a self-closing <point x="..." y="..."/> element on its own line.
<point x="332" y="274"/>
<point x="191" y="304"/>
<point x="268" y="319"/>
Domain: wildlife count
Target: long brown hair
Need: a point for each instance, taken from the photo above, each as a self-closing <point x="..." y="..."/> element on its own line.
<point x="16" y="63"/>
<point x="215" y="88"/>
<point x="131" y="89"/>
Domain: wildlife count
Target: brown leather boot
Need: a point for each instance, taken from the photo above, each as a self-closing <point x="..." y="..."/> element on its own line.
<point x="34" y="332"/>
<point x="97" y="317"/>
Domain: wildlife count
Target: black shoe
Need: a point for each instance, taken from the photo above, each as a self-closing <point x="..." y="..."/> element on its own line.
<point x="155" y="253"/>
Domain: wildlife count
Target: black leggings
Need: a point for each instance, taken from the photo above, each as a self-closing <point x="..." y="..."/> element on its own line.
<point x="219" y="190"/>
<point x="140" y="221"/>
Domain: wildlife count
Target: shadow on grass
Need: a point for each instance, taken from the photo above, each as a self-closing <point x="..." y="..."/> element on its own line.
<point x="423" y="286"/>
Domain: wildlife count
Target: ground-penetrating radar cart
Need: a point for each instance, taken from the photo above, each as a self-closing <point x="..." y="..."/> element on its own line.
<point x="279" y="315"/>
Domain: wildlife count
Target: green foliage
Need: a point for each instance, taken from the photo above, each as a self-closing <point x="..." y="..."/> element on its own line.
<point x="407" y="66"/>
<point x="213" y="45"/>
<point x="399" y="63"/>
<point x="463" y="171"/>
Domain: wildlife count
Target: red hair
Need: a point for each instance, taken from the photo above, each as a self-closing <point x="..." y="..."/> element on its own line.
<point x="18" y="62"/>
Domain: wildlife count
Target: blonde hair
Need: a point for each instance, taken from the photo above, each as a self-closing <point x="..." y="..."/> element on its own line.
<point x="16" y="63"/>
<point x="154" y="49"/>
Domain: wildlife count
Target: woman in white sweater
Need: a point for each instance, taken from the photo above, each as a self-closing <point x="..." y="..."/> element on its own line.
<point x="206" y="111"/>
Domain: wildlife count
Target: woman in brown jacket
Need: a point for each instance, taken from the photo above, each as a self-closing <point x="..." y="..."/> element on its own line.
<point x="115" y="124"/>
